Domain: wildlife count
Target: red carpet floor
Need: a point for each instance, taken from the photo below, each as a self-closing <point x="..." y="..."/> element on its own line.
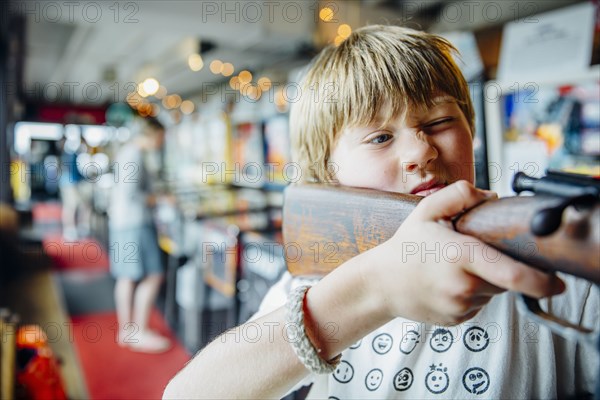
<point x="116" y="373"/>
<point x="76" y="254"/>
<point x="83" y="253"/>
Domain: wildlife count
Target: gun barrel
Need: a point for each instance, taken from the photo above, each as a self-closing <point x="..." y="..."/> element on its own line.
<point x="504" y="224"/>
<point x="557" y="184"/>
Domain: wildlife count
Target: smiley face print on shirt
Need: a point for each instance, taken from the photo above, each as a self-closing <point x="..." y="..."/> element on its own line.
<point x="374" y="379"/>
<point x="343" y="372"/>
<point x="382" y="343"/>
<point x="403" y="379"/>
<point x="476" y="339"/>
<point x="409" y="341"/>
<point x="437" y="380"/>
<point x="441" y="340"/>
<point x="476" y="380"/>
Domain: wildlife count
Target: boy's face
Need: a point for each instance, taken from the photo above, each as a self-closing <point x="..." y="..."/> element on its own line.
<point x="419" y="153"/>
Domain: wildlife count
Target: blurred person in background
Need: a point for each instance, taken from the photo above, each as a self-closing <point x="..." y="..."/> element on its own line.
<point x="135" y="255"/>
<point x="68" y="183"/>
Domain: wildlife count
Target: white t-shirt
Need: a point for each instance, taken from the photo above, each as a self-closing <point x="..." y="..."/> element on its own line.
<point x="500" y="353"/>
<point x="128" y="207"/>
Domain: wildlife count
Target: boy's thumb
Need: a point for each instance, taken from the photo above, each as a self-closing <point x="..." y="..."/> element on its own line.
<point x="449" y="201"/>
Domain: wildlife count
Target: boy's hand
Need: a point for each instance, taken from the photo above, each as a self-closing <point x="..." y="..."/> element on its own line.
<point x="429" y="272"/>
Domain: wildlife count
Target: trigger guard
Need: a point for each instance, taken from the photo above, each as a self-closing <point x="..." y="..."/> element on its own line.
<point x="531" y="307"/>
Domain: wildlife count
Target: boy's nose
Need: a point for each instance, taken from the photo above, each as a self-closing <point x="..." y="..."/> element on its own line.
<point x="418" y="153"/>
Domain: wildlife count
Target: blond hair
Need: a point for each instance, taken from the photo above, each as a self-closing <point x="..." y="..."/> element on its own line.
<point x="376" y="69"/>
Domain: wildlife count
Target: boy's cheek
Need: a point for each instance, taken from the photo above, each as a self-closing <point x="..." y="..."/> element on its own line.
<point x="459" y="163"/>
<point x="366" y="176"/>
<point x="354" y="175"/>
<point x="456" y="171"/>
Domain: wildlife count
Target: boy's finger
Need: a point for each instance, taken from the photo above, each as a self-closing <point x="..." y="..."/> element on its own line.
<point x="487" y="289"/>
<point x="450" y="201"/>
<point x="489" y="194"/>
<point x="508" y="273"/>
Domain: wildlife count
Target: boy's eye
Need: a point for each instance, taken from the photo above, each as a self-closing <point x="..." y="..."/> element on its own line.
<point x="439" y="122"/>
<point x="384" y="137"/>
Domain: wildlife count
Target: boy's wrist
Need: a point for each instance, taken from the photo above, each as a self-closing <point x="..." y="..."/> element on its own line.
<point x="343" y="308"/>
<point x="371" y="284"/>
<point x="307" y="338"/>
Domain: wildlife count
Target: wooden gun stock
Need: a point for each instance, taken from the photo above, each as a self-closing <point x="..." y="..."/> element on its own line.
<point x="324" y="226"/>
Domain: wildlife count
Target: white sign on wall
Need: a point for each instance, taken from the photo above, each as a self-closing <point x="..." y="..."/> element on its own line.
<point x="547" y="46"/>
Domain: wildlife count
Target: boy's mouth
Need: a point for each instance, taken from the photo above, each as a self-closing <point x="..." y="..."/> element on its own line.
<point x="429" y="187"/>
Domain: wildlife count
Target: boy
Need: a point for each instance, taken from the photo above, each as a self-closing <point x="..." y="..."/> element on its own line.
<point x="400" y="120"/>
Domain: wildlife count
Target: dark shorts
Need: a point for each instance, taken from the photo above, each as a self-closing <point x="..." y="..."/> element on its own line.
<point x="134" y="252"/>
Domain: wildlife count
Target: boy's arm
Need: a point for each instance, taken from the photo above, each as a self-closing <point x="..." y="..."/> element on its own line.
<point x="255" y="360"/>
<point x="361" y="295"/>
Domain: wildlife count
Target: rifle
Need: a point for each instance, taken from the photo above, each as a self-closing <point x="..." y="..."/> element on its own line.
<point x="556" y="229"/>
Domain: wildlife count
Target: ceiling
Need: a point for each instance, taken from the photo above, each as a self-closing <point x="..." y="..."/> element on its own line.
<point x="93" y="52"/>
<point x="90" y="53"/>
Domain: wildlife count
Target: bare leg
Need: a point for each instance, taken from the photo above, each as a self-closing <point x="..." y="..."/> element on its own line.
<point x="124" y="301"/>
<point x="145" y="295"/>
<point x="85" y="217"/>
<point x="144" y="298"/>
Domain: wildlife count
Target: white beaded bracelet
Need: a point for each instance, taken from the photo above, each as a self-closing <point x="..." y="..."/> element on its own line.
<point x="303" y="347"/>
